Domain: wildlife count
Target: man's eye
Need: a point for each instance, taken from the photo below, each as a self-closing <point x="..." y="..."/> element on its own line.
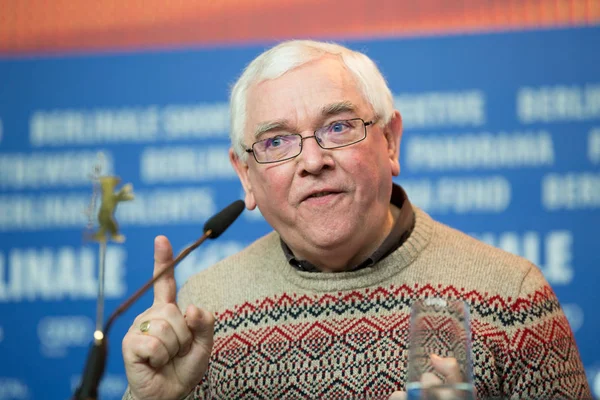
<point x="274" y="142"/>
<point x="339" y="127"/>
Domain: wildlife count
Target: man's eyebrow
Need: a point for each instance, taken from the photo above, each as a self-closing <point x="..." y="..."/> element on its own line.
<point x="337" y="108"/>
<point x="268" y="126"/>
<point x="326" y="111"/>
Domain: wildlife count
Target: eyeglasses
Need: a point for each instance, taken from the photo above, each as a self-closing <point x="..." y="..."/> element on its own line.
<point x="332" y="136"/>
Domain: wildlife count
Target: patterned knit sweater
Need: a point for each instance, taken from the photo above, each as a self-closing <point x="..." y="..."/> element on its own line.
<point x="281" y="333"/>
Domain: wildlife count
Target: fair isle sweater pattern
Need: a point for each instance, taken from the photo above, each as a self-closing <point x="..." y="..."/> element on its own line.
<point x="286" y="334"/>
<point x="352" y="350"/>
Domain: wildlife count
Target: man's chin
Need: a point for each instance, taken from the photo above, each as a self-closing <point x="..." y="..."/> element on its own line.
<point x="332" y="239"/>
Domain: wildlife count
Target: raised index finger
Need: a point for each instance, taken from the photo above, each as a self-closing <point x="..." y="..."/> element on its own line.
<point x="165" y="289"/>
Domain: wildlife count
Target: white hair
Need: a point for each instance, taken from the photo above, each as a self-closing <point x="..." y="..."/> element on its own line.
<point x="286" y="56"/>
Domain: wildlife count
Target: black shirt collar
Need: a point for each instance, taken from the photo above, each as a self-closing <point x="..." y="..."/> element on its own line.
<point x="401" y="230"/>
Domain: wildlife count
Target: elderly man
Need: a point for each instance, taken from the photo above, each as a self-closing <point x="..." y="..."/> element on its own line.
<point x="319" y="308"/>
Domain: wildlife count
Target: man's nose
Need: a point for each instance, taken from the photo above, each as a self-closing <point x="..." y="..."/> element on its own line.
<point x="313" y="158"/>
<point x="310" y="137"/>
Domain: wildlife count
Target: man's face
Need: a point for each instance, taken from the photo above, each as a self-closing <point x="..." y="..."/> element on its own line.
<point x="329" y="206"/>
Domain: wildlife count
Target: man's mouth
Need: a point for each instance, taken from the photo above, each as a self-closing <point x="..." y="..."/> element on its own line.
<point x="320" y="194"/>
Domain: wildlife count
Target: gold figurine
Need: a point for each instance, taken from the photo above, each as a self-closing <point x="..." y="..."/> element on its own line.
<point x="109" y="200"/>
<point x="108" y="229"/>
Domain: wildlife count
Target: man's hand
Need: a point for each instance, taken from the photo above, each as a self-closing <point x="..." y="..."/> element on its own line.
<point x="449" y="369"/>
<point x="170" y="357"/>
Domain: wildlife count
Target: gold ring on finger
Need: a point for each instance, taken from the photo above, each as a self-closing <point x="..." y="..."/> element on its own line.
<point x="145" y="326"/>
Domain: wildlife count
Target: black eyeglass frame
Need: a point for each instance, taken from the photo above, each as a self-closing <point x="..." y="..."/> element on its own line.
<point x="314" y="135"/>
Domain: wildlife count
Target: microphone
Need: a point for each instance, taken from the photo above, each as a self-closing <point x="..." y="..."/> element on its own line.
<point x="96" y="361"/>
<point x="221" y="221"/>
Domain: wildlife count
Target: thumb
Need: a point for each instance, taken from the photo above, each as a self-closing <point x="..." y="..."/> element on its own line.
<point x="448" y="367"/>
<point x="192" y="365"/>
<point x="201" y="324"/>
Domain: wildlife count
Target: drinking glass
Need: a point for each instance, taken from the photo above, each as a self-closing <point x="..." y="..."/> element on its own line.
<point x="439" y="327"/>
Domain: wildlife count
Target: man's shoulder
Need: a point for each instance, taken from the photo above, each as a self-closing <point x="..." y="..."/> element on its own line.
<point x="466" y="254"/>
<point x="475" y="249"/>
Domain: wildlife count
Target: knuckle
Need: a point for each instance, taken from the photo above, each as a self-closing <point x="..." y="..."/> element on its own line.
<point x="126" y="340"/>
<point x="126" y="344"/>
<point x="160" y="327"/>
<point x="159" y="361"/>
<point x="158" y="355"/>
<point x="154" y="345"/>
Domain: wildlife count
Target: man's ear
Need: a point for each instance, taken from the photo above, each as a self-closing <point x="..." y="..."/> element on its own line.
<point x="393" y="135"/>
<point x="241" y="168"/>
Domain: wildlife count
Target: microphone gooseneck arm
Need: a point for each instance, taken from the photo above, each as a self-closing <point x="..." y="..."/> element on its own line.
<point x="213" y="228"/>
<point x="96" y="361"/>
<point x="133" y="298"/>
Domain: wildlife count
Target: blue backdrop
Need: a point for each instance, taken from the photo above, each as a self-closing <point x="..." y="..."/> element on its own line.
<point x="502" y="141"/>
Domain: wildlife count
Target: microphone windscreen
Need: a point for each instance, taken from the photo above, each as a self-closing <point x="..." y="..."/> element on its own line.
<point x="221" y="221"/>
